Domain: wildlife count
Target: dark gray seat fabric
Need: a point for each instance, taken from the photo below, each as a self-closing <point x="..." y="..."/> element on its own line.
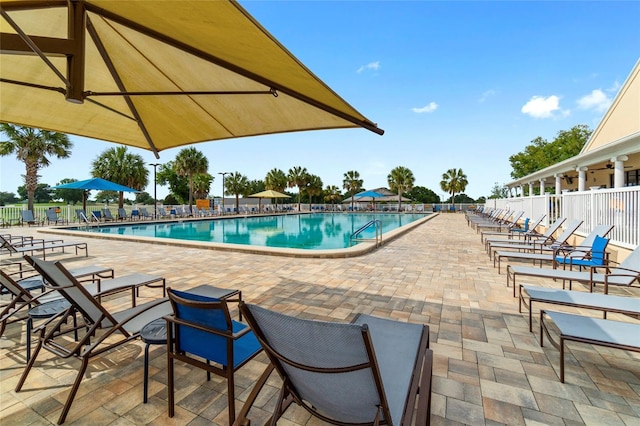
<point x="358" y="373"/>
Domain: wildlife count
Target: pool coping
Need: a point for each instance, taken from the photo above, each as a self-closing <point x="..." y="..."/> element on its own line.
<point x="357" y="250"/>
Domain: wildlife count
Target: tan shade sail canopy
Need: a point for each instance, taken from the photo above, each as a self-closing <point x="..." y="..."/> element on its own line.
<point x="156" y="74"/>
<point x="269" y="193"/>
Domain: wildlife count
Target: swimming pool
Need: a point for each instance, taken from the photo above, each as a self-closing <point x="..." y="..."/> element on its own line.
<point x="315" y="231"/>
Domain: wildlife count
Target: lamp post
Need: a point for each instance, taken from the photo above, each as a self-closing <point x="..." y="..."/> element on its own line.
<point x="155" y="196"/>
<point x="223" y="174"/>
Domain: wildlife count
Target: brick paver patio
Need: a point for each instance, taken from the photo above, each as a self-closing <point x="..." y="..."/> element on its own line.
<point x="488" y="368"/>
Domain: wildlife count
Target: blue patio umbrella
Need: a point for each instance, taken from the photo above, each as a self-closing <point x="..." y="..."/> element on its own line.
<point x="369" y="194"/>
<point x="94" y="183"/>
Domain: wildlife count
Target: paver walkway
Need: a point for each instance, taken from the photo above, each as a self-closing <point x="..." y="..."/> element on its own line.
<point x="489" y="369"/>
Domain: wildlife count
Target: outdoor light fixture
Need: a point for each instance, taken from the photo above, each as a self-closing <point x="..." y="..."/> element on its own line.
<point x="155" y="196"/>
<point x="223" y="174"/>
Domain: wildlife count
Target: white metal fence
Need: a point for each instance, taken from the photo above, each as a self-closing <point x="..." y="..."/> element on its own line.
<point x="619" y="207"/>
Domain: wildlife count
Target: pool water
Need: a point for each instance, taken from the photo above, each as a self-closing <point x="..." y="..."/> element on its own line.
<point x="316" y="231"/>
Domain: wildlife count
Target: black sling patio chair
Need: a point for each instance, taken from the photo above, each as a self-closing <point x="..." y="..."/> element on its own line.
<point x="104" y="330"/>
<point x="372" y="371"/>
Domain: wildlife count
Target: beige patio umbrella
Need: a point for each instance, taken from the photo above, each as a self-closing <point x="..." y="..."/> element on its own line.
<point x="156" y="74"/>
<point x="269" y="193"/>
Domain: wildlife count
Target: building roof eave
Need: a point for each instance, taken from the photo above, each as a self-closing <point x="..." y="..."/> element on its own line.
<point x="627" y="145"/>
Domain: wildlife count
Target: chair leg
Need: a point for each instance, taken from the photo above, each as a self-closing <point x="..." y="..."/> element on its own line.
<point x="231" y="395"/>
<point x="170" y="396"/>
<point x="74" y="390"/>
<point x="32" y="360"/>
<point x="146" y="374"/>
<point x="29" y="327"/>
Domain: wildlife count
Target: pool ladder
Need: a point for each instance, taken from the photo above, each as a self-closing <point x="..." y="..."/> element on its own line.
<point x="356" y="236"/>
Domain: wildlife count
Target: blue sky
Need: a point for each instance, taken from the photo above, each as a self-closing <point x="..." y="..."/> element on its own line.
<point x="454" y="84"/>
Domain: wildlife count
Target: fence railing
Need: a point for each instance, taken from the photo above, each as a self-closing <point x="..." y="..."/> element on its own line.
<point x="619" y="207"/>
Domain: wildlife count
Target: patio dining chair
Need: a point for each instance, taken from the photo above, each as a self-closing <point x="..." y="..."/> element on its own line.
<point x="368" y="372"/>
<point x="105" y="330"/>
<point x="200" y="332"/>
<point x="28" y="217"/>
<point x="52" y="217"/>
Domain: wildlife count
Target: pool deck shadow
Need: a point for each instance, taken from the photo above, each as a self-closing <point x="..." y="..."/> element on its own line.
<point x="488" y="368"/>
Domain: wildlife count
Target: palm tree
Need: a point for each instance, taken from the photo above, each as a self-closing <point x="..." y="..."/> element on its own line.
<point x="202" y="185"/>
<point x="454" y="181"/>
<point x="120" y="166"/>
<point x="400" y="180"/>
<point x="297" y="177"/>
<point x="276" y="180"/>
<point x="236" y="184"/>
<point x="190" y="162"/>
<point x="352" y="184"/>
<point x="32" y="146"/>
<point x="332" y="194"/>
<point x="314" y="187"/>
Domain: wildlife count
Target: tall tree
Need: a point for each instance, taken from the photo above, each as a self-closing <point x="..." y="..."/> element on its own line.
<point x="69" y="196"/>
<point x="332" y="194"/>
<point x="276" y="180"/>
<point x="314" y="186"/>
<point x="42" y="194"/>
<point x="423" y="195"/>
<point x="254" y="186"/>
<point x="297" y="177"/>
<point x="33" y="147"/>
<point x="454" y="181"/>
<point x="190" y="162"/>
<point x="540" y="153"/>
<point x="178" y="185"/>
<point x="401" y="180"/>
<point x="352" y="183"/>
<point x="121" y="166"/>
<point x="236" y="184"/>
<point x="202" y="185"/>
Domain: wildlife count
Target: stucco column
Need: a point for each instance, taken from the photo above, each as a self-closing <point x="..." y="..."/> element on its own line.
<point x="558" y="183"/>
<point x="618" y="170"/>
<point x="530" y="189"/>
<point x="582" y="177"/>
<point x="542" y="186"/>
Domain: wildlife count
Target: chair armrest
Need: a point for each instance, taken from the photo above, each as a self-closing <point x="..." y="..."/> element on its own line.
<point x="223" y="333"/>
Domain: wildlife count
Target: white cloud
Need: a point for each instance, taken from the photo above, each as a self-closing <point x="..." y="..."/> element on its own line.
<point x="488" y="94"/>
<point x="426" y="109"/>
<point x="596" y="100"/>
<point x="370" y="66"/>
<point x="541" y="107"/>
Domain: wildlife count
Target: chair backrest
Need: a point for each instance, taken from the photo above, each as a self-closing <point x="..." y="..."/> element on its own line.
<point x="568" y="231"/>
<point x="554" y="227"/>
<point x="27" y="216"/>
<point x="598" y="231"/>
<point x="598" y="249"/>
<point x="537" y="222"/>
<point x="7" y="245"/>
<point x="632" y="261"/>
<point x="58" y="277"/>
<point x="52" y="215"/>
<point x="122" y="213"/>
<point x="206" y="312"/>
<point x="330" y="366"/>
<point x="14" y="288"/>
<point x="107" y="213"/>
